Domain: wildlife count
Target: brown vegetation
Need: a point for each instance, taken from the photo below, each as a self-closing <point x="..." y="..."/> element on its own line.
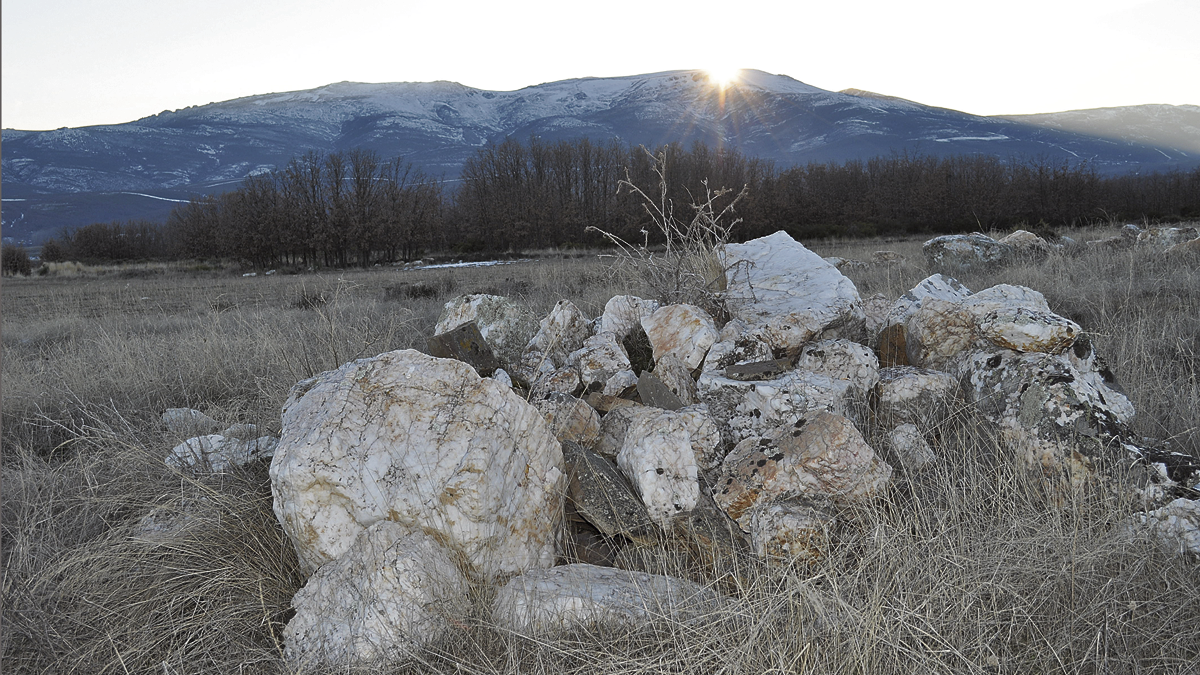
<point x="968" y="570"/>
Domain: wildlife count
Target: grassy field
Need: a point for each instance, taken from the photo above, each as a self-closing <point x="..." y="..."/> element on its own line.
<point x="966" y="569"/>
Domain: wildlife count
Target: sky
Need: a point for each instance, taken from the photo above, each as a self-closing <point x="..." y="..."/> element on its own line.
<point x="84" y="62"/>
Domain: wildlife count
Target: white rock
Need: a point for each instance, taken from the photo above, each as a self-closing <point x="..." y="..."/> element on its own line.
<point x="842" y="360"/>
<point x="790" y="532"/>
<point x="747" y="409"/>
<point x="218" y="453"/>
<point x="1165" y="237"/>
<point x="615" y="424"/>
<point x="821" y="457"/>
<point x="965" y="252"/>
<point x="1027" y="244"/>
<point x="619" y="382"/>
<point x="910" y="447"/>
<point x="683" y="331"/>
<point x="427" y="443"/>
<point x="794" y="296"/>
<point x="1177" y="525"/>
<point x="601" y="357"/>
<point x="657" y="458"/>
<point x="581" y="595"/>
<point x="570" y="419"/>
<point x="914" y="395"/>
<point x="624" y="313"/>
<point x="737" y="345"/>
<point x="189" y="422"/>
<point x="501" y="376"/>
<point x="936" y="286"/>
<point x="938" y="333"/>
<point x="390" y="593"/>
<point x="678" y="378"/>
<point x="562" y="331"/>
<point x="876" y="310"/>
<point x="505" y="325"/>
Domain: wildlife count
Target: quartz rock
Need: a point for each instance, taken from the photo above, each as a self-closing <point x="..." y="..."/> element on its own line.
<point x="908" y="395"/>
<point x="624" y="313"/>
<point x="570" y="419"/>
<point x="678" y="378"/>
<point x="658" y="459"/>
<point x="505" y="325"/>
<point x="777" y="285"/>
<point x="1177" y="525"/>
<point x="218" y="453"/>
<point x="683" y="331"/>
<point x="429" y="444"/>
<point x="1027" y="244"/>
<point x="1165" y="237"/>
<point x="910" y="447"/>
<point x="562" y="331"/>
<point x="842" y="360"/>
<point x="580" y="595"/>
<point x="791" y="532"/>
<point x="965" y="252"/>
<point x="602" y="496"/>
<point x="820" y="457"/>
<point x="393" y="591"/>
<point x="747" y="409"/>
<point x="737" y="345"/>
<point x="184" y="422"/>
<point x="601" y="357"/>
<point x="619" y="382"/>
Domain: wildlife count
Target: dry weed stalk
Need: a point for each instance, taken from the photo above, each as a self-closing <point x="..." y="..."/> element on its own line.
<point x="690" y="268"/>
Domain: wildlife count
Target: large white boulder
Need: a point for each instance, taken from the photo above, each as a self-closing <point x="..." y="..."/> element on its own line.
<point x="581" y="595"/>
<point x="790" y="293"/>
<point x="390" y="593"/>
<point x="424" y="442"/>
<point x="683" y="331"/>
<point x="505" y="325"/>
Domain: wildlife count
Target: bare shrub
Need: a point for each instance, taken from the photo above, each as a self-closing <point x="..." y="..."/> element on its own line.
<point x="690" y="267"/>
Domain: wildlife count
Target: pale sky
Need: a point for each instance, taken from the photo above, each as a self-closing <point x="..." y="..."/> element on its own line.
<point x="83" y="62"/>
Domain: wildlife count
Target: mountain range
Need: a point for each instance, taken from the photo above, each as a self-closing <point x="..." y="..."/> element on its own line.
<point x="142" y="169"/>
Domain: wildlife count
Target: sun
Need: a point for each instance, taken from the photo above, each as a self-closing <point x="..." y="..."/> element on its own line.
<point x="723" y="76"/>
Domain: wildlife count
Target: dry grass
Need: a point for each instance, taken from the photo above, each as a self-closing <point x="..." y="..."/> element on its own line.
<point x="965" y="569"/>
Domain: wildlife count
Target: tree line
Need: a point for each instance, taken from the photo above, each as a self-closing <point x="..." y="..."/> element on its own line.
<point x="352" y="208"/>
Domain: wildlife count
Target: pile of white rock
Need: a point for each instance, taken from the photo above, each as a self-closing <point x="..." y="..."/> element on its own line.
<point x="402" y="480"/>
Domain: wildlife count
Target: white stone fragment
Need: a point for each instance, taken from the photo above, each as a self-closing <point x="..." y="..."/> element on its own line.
<point x="505" y="325"/>
<point x="1026" y="243"/>
<point x="683" y="331"/>
<point x="965" y="252"/>
<point x="427" y="443"/>
<point x="1165" y="237"/>
<point x="570" y="419"/>
<point x="390" y="593"/>
<point x="842" y="360"/>
<point x="790" y="532"/>
<point x="615" y="424"/>
<point x="501" y="376"/>
<point x="189" y="422"/>
<point x="657" y="458"/>
<point x="936" y="286"/>
<point x="619" y="382"/>
<point x="822" y="456"/>
<point x="778" y="285"/>
<point x="218" y="453"/>
<point x="908" y="395"/>
<point x="737" y="345"/>
<point x="678" y="378"/>
<point x="581" y="595"/>
<point x="910" y="447"/>
<point x="1177" y="525"/>
<point x="601" y="357"/>
<point x="749" y="409"/>
<point x="562" y="331"/>
<point x="624" y="313"/>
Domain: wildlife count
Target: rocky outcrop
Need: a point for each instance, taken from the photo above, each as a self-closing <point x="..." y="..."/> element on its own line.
<point x="390" y="593"/>
<point x="426" y="443"/>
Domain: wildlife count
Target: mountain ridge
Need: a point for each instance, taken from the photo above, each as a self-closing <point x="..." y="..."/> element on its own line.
<point x="439" y="125"/>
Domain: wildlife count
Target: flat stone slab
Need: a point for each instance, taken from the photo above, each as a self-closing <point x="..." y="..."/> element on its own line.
<point x="656" y="394"/>
<point x="465" y="343"/>
<point x="603" y="497"/>
<point x="759" y="370"/>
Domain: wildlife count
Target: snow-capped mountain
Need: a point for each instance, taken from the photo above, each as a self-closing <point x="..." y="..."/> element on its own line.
<point x="69" y="177"/>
